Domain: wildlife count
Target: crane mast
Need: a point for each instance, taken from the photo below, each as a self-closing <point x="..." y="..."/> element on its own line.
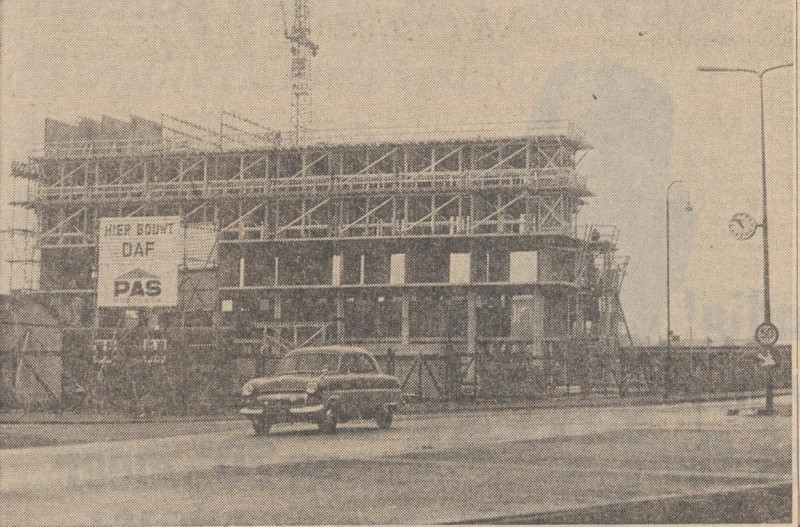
<point x="302" y="50"/>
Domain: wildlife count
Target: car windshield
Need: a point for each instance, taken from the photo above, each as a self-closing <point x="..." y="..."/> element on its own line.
<point x="307" y="363"/>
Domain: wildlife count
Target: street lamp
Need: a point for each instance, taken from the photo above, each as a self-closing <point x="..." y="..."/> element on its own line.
<point x="668" y="357"/>
<point x="764" y="228"/>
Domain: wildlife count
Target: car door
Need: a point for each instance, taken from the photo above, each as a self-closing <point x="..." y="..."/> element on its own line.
<point x="349" y="385"/>
<point x="370" y="399"/>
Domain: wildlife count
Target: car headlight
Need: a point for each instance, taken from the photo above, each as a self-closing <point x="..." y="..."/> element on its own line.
<point x="312" y="387"/>
<point x="248" y="389"/>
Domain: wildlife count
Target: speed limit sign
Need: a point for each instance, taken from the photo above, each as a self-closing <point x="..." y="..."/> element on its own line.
<point x="766" y="334"/>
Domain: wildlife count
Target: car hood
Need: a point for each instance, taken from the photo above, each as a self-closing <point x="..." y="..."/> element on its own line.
<point x="283" y="383"/>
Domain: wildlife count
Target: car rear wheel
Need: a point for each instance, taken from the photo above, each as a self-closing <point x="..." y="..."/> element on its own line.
<point x="261" y="425"/>
<point x="327" y="424"/>
<point x="384" y="418"/>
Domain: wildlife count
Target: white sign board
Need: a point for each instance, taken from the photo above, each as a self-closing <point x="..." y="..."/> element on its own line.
<point x="459" y="268"/>
<point x="524" y="267"/>
<point x="138" y="261"/>
<point x="200" y="245"/>
<point x="397" y="269"/>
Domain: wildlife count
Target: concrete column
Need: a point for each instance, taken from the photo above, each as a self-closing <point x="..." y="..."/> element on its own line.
<point x="472" y="322"/>
<point x="405" y="329"/>
<point x="339" y="318"/>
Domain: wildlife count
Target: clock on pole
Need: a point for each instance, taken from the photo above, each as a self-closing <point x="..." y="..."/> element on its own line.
<point x="742" y="225"/>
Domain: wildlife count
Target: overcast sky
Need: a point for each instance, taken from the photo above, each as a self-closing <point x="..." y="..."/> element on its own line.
<point x="624" y="71"/>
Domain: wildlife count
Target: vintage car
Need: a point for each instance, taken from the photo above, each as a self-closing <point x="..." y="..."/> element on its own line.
<point x="323" y="385"/>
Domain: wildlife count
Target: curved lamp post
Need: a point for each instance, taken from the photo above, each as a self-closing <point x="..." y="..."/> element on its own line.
<point x="763" y="225"/>
<point x="668" y="357"/>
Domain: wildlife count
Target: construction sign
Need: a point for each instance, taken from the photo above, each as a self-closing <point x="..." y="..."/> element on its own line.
<point x="138" y="261"/>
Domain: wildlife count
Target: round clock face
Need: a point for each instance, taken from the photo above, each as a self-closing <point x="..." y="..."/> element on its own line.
<point x="766" y="334"/>
<point x="742" y="226"/>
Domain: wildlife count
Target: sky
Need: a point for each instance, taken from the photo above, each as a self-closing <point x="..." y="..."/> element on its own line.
<point x="623" y="71"/>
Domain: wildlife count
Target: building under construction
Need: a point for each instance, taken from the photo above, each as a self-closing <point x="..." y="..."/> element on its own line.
<point x="454" y="253"/>
<point x="455" y="256"/>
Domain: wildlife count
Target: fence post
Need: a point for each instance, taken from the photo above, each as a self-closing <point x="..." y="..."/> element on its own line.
<point x="420" y="393"/>
<point x="475" y="376"/>
<point x="390" y="366"/>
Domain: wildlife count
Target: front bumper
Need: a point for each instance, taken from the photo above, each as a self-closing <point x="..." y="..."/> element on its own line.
<point x="293" y="410"/>
<point x="283" y="407"/>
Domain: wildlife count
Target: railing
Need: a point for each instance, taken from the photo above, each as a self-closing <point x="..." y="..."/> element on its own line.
<point x="111" y="148"/>
<point x="488" y="131"/>
<point x="535" y="179"/>
<point x="546" y="369"/>
<point x="495" y="372"/>
<point x="79" y="149"/>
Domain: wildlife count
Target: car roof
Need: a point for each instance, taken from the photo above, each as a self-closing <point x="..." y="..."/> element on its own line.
<point x="339" y="350"/>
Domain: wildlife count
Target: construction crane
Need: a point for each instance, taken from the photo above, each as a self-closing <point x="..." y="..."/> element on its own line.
<point x="302" y="51"/>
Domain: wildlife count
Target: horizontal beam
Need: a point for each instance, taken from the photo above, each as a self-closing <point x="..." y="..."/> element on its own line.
<point x="418" y="285"/>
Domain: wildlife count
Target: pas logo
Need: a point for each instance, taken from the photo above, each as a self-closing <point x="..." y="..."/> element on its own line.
<point x="137" y="283"/>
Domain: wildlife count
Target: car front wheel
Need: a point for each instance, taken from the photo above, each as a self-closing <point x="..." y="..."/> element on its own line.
<point x="261" y="425"/>
<point x="384" y="418"/>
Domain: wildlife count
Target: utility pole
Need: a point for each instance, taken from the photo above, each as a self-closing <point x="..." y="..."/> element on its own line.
<point x="764" y="217"/>
<point x="668" y="356"/>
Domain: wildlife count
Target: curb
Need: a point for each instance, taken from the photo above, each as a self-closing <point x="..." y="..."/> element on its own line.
<point x="22" y="417"/>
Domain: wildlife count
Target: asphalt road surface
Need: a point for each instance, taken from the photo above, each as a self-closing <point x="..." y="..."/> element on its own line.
<point x="425" y="469"/>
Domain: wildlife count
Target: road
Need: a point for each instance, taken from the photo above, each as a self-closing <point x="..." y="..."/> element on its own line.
<point x="425" y="469"/>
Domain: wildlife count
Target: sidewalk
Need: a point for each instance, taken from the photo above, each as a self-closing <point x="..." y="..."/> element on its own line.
<point x="423" y="407"/>
<point x="576" y="401"/>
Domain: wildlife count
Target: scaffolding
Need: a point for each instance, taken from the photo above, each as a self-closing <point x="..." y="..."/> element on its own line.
<point x="354" y="237"/>
<point x="20" y="236"/>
